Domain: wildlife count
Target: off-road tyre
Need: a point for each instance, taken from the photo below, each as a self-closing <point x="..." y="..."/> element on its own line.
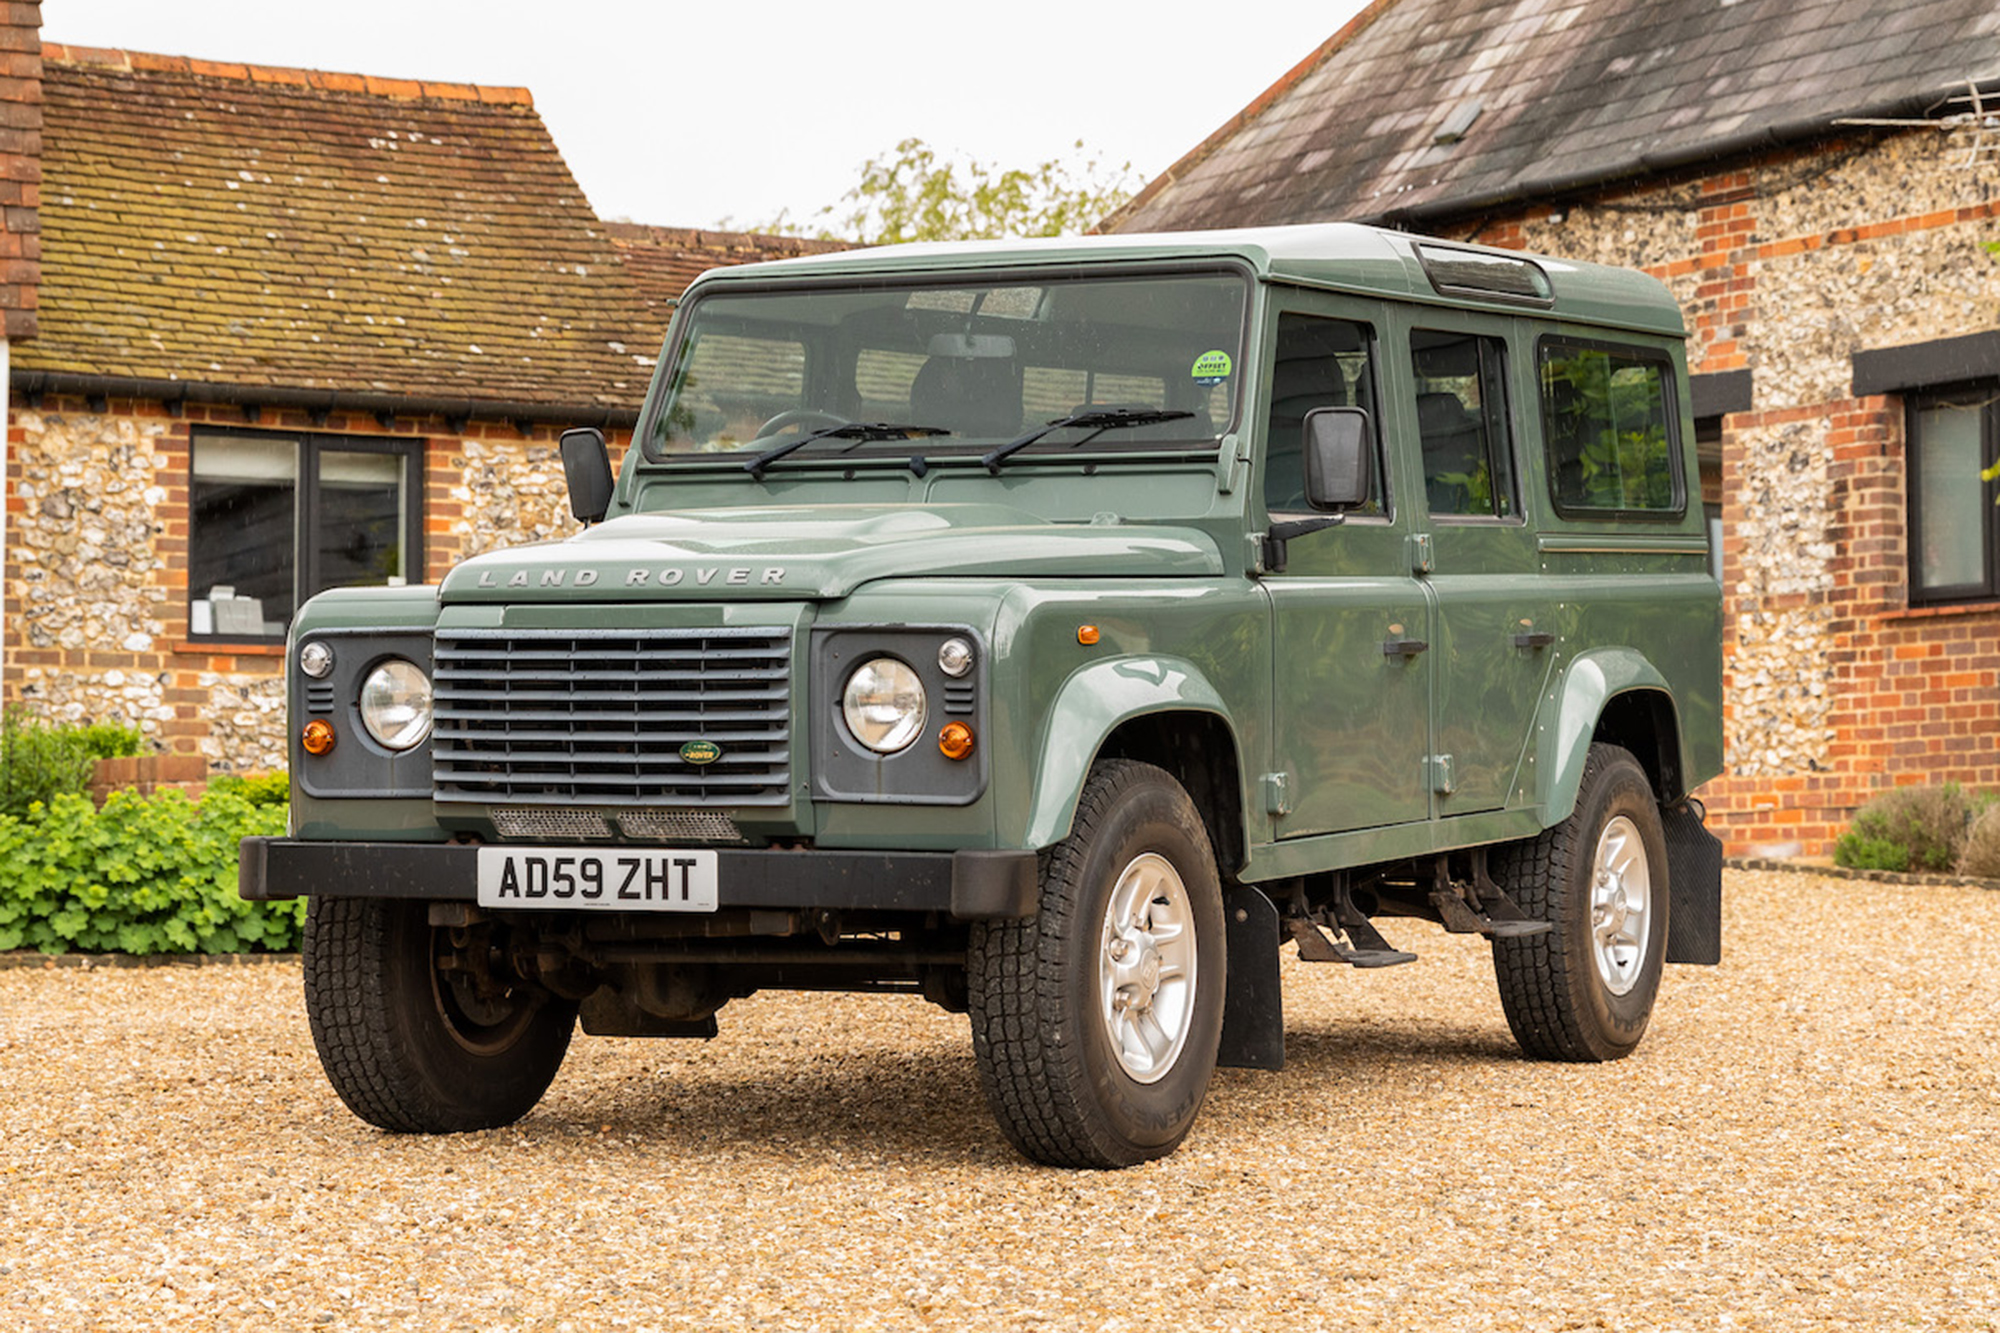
<point x="1553" y="988"/>
<point x="406" y="1050"/>
<point x="1041" y="1021"/>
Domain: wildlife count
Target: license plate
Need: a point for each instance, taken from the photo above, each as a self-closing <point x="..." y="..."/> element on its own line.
<point x="616" y="881"/>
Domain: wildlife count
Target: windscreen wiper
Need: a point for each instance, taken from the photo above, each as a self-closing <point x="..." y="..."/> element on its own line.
<point x="848" y="430"/>
<point x="1102" y="419"/>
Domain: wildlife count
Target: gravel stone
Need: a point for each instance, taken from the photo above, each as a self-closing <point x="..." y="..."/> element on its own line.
<point x="1803" y="1141"/>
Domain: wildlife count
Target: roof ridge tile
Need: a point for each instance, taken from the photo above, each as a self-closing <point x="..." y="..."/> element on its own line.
<point x="326" y="80"/>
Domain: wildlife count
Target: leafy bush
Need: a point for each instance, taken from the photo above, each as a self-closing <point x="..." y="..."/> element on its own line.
<point x="113" y="740"/>
<point x="1982" y="846"/>
<point x="1910" y="828"/>
<point x="144" y="875"/>
<point x="257" y="788"/>
<point x="39" y="761"/>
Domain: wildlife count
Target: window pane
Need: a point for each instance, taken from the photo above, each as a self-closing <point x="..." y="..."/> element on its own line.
<point x="728" y="386"/>
<point x="1606" y="415"/>
<point x="1319" y="363"/>
<point x="1952" y="501"/>
<point x="1462" y="420"/>
<point x="243" y="501"/>
<point x="363" y="515"/>
<point x="982" y="362"/>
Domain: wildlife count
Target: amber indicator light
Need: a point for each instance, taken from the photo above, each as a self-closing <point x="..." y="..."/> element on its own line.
<point x="1086" y="634"/>
<point x="955" y="740"/>
<point x="318" y="737"/>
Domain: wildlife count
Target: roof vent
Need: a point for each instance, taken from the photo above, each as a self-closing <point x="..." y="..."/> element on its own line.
<point x="1458" y="122"/>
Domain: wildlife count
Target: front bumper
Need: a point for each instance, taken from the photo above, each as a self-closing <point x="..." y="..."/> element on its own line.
<point x="966" y="885"/>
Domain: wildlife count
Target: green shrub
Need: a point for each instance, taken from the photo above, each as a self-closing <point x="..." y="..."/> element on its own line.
<point x="1859" y="853"/>
<point x="1982" y="846"/>
<point x="1910" y="828"/>
<point x="257" y="788"/>
<point x="144" y="875"/>
<point x="40" y="761"/>
<point x="113" y="740"/>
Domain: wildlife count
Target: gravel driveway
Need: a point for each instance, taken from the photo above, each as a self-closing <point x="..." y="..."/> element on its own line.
<point x="1806" y="1140"/>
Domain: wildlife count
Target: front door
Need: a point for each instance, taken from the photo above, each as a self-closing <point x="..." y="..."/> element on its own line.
<point x="1350" y="623"/>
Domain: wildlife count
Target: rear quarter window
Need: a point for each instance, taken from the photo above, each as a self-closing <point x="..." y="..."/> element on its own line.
<point x="1611" y="424"/>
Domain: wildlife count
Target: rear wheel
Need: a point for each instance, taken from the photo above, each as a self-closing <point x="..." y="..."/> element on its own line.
<point x="415" y="1031"/>
<point x="1096" y="1021"/>
<point x="1585" y="990"/>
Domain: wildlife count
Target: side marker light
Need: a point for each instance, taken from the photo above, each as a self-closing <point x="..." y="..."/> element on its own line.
<point x="1086" y="634"/>
<point x="955" y="740"/>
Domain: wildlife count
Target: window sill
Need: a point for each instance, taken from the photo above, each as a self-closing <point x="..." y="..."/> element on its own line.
<point x="224" y="648"/>
<point x="1942" y="610"/>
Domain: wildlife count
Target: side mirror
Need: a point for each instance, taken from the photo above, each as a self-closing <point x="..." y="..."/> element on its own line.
<point x="1339" y="458"/>
<point x="587" y="469"/>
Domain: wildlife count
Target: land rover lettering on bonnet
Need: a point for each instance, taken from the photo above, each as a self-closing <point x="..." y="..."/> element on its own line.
<point x="1055" y="632"/>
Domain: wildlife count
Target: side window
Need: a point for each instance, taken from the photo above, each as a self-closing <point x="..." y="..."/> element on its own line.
<point x="1609" y="418"/>
<point x="1318" y="363"/>
<point x="1462" y="420"/>
<point x="1953" y="523"/>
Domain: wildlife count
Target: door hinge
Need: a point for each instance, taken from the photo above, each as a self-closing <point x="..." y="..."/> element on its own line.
<point x="1438" y="769"/>
<point x="1277" y="798"/>
<point x="1420" y="552"/>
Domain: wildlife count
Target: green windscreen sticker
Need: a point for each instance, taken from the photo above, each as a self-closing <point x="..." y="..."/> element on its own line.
<point x="1212" y="367"/>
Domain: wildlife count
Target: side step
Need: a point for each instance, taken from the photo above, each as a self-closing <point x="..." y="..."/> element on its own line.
<point x="1363" y="947"/>
<point x="1497" y="916"/>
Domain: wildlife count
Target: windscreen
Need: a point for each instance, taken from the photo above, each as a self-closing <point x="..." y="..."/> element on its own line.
<point x="1135" y="362"/>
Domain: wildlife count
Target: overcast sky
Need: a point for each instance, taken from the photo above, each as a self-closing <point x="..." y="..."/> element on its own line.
<point x="685" y="114"/>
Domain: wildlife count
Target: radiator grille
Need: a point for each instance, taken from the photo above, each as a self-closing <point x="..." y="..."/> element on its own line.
<point x="599" y="717"/>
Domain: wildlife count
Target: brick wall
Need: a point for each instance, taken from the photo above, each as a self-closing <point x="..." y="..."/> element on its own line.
<point x="1835" y="688"/>
<point x="96" y="577"/>
<point x="20" y="164"/>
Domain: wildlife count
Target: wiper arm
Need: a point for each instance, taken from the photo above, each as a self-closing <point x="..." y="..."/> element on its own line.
<point x="847" y="430"/>
<point x="1103" y="419"/>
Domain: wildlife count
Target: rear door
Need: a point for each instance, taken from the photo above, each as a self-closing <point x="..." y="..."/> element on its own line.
<point x="1464" y="401"/>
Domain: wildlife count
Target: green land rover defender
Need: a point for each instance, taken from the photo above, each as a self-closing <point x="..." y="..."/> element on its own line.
<point x="1055" y="631"/>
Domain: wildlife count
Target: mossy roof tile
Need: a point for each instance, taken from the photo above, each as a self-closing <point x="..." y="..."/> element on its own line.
<point x="250" y="226"/>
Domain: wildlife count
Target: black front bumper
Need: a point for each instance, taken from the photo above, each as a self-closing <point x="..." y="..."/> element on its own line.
<point x="969" y="886"/>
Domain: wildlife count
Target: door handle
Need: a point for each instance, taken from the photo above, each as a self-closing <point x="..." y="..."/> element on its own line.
<point x="1404" y="647"/>
<point x="1538" y="639"/>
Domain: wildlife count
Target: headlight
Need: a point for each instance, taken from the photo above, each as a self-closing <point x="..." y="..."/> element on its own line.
<point x="396" y="704"/>
<point x="884" y="705"/>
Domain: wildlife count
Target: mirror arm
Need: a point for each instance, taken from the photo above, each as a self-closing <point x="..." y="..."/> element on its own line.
<point x="1280" y="534"/>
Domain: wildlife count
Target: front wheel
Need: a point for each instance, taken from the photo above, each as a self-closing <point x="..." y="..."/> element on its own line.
<point x="1096" y="1021"/>
<point x="1584" y="991"/>
<point x="414" y="1030"/>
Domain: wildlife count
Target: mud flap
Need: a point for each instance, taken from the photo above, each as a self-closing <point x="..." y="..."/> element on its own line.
<point x="1694" y="887"/>
<point x="1253" y="1010"/>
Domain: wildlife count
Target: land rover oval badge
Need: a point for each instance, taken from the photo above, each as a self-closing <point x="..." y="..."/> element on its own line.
<point x="701" y="752"/>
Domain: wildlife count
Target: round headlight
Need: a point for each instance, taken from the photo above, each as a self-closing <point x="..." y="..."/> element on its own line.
<point x="316" y="659"/>
<point x="884" y="705"/>
<point x="396" y="704"/>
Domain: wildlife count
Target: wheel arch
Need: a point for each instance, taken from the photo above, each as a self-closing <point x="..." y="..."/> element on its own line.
<point x="1161" y="711"/>
<point x="1617" y="697"/>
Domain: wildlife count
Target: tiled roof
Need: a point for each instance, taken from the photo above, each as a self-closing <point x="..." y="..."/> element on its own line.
<point x="239" y="225"/>
<point x="660" y="262"/>
<point x="20" y="164"/>
<point x="1570" y="94"/>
